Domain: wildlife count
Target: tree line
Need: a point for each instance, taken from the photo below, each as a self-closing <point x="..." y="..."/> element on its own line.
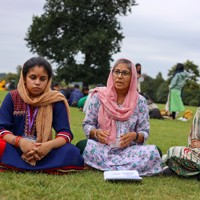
<point x="79" y="38"/>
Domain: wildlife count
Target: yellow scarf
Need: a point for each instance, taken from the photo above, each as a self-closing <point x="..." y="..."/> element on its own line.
<point x="44" y="103"/>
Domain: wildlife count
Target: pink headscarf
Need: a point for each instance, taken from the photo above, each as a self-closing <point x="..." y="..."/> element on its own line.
<point x="109" y="112"/>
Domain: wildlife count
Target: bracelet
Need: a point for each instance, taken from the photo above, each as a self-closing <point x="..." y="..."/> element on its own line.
<point x="95" y="133"/>
<point x="136" y="137"/>
<point x="17" y="139"/>
<point x="13" y="140"/>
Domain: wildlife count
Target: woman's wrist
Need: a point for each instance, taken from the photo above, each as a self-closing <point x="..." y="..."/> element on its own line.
<point x="95" y="133"/>
<point x="16" y="141"/>
<point x="21" y="141"/>
<point x="136" y="136"/>
<point x="56" y="143"/>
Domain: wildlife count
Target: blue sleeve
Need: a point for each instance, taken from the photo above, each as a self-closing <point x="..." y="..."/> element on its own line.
<point x="60" y="119"/>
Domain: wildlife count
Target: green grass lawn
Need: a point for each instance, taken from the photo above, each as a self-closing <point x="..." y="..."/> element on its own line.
<point x="90" y="185"/>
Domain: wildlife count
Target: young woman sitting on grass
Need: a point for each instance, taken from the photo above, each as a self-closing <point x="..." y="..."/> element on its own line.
<point x="27" y="116"/>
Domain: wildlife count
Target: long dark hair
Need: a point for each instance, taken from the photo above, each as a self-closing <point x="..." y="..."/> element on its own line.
<point x="138" y="71"/>
<point x="179" y="68"/>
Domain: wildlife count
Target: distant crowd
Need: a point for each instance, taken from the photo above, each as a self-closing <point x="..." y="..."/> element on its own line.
<point x="7" y="86"/>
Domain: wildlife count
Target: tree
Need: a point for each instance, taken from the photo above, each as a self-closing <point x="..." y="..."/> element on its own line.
<point x="155" y="88"/>
<point x="86" y="27"/>
<point x="148" y="87"/>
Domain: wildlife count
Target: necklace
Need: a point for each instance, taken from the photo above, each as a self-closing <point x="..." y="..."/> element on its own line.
<point x="31" y="120"/>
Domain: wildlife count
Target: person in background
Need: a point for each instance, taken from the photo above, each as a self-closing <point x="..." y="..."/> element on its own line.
<point x="116" y="125"/>
<point x="85" y="90"/>
<point x="75" y="96"/>
<point x="12" y="85"/>
<point x="27" y="116"/>
<point x="82" y="100"/>
<point x="55" y="86"/>
<point x="139" y="76"/>
<point x="86" y="103"/>
<point x="175" y="103"/>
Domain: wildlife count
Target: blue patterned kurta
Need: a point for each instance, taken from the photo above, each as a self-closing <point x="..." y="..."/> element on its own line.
<point x="14" y="118"/>
<point x="144" y="158"/>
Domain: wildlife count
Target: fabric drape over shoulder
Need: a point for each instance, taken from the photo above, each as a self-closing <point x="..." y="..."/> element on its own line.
<point x="44" y="103"/>
<point x="109" y="111"/>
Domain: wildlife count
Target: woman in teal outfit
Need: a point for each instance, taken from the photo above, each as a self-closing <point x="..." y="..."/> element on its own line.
<point x="175" y="87"/>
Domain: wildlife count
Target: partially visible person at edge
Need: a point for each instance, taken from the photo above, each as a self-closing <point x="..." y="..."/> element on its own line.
<point x="117" y="125"/>
<point x="175" y="103"/>
<point x="27" y="116"/>
<point x="139" y="76"/>
<point x="184" y="161"/>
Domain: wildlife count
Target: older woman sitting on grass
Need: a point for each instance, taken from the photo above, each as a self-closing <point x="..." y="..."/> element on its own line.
<point x="117" y="125"/>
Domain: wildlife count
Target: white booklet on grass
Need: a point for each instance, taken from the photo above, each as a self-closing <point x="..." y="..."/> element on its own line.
<point x="128" y="175"/>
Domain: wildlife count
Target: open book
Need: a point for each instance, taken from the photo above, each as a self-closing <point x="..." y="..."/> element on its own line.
<point x="122" y="175"/>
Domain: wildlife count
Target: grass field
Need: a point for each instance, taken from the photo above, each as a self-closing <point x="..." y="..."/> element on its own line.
<point x="90" y="185"/>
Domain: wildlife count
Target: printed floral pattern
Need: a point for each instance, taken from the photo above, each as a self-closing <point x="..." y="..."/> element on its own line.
<point x="144" y="158"/>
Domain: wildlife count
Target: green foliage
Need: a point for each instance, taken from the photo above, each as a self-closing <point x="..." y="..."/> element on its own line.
<point x="13" y="76"/>
<point x="162" y="92"/>
<point x="190" y="68"/>
<point x="70" y="28"/>
<point x="193" y="102"/>
<point x="150" y="91"/>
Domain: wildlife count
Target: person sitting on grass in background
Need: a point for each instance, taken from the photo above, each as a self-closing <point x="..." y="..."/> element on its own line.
<point x="55" y="86"/>
<point x="27" y="116"/>
<point x="117" y="125"/>
<point x="75" y="96"/>
<point x="82" y="100"/>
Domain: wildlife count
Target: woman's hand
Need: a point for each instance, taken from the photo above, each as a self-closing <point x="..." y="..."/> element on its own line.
<point x="126" y="139"/>
<point x="29" y="149"/>
<point x="195" y="144"/>
<point x="40" y="151"/>
<point x="102" y="136"/>
<point x="27" y="145"/>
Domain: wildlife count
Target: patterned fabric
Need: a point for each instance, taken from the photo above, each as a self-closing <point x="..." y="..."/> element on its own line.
<point x="185" y="161"/>
<point x="13" y="120"/>
<point x="108" y="111"/>
<point x="44" y="104"/>
<point x="144" y="158"/>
